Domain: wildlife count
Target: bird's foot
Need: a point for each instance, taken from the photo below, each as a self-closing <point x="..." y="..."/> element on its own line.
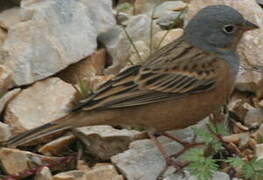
<point x="169" y="159"/>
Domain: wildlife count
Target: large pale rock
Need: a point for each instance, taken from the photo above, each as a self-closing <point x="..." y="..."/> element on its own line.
<point x="6" y="79"/>
<point x="251" y="46"/>
<point x="53" y="35"/>
<point x="105" y="141"/>
<point x="43" y="102"/>
<point x="100" y="12"/>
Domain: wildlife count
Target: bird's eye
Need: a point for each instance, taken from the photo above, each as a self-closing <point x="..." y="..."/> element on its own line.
<point x="229" y="29"/>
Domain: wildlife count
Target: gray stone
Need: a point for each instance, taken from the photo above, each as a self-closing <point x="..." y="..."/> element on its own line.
<point x="105" y="141"/>
<point x="43" y="102"/>
<point x="168" y="20"/>
<point x="100" y="12"/>
<point x="143" y="160"/>
<point x="44" y="174"/>
<point x="188" y="176"/>
<point x="53" y="35"/>
<point x="169" y="7"/>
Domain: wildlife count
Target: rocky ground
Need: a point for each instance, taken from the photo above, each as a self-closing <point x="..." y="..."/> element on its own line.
<point x="53" y="52"/>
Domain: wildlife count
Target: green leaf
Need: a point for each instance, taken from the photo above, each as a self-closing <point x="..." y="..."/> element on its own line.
<point x="201" y="167"/>
<point x="219" y="128"/>
<point x="208" y="138"/>
<point x="235" y="162"/>
<point x="124" y="7"/>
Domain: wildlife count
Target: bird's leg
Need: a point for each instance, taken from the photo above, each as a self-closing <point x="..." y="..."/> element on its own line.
<point x="186" y="145"/>
<point x="168" y="159"/>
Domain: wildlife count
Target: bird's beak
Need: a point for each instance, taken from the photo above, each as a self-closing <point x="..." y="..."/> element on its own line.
<point x="247" y="25"/>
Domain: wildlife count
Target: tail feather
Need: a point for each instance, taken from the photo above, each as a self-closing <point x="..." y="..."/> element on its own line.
<point x="36" y="133"/>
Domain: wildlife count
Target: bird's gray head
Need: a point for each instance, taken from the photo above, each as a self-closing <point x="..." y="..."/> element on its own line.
<point x="217" y="28"/>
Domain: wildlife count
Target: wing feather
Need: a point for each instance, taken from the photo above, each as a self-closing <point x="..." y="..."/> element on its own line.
<point x="173" y="71"/>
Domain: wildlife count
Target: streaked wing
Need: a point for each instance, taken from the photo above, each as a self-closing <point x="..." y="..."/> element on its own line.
<point x="175" y="70"/>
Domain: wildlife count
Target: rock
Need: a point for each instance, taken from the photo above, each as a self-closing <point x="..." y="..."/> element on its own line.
<point x="143" y="160"/>
<point x="251" y="46"/>
<point x="85" y="69"/>
<point x="44" y="174"/>
<point x="103" y="171"/>
<point x="168" y="7"/>
<point x="188" y="176"/>
<point x="170" y="21"/>
<point x="260" y="2"/>
<point x="163" y="38"/>
<point x="6" y="79"/>
<point x="3" y="35"/>
<point x="142" y="6"/>
<point x="71" y="175"/>
<point x="8" y="97"/>
<point x="261" y="103"/>
<point x="14" y="161"/>
<point x="105" y="141"/>
<point x="100" y="12"/>
<point x="254" y="117"/>
<point x="43" y="102"/>
<point x="57" y="146"/>
<point x="63" y="38"/>
<point x="110" y="40"/>
<point x="259" y="151"/>
<point x="138" y="28"/>
<point x="5" y="132"/>
<point x="143" y="50"/>
<point x="9" y="17"/>
<point x="249" y="80"/>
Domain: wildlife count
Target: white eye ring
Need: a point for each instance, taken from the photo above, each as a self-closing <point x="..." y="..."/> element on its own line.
<point x="229" y="29"/>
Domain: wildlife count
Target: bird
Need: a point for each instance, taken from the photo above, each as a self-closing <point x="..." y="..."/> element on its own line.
<point x="175" y="87"/>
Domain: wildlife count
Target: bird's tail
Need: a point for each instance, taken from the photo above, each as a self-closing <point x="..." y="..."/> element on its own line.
<point x="36" y="133"/>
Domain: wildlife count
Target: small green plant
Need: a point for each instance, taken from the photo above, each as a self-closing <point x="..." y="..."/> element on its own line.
<point x="83" y="88"/>
<point x="202" y="167"/>
<point x="252" y="169"/>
